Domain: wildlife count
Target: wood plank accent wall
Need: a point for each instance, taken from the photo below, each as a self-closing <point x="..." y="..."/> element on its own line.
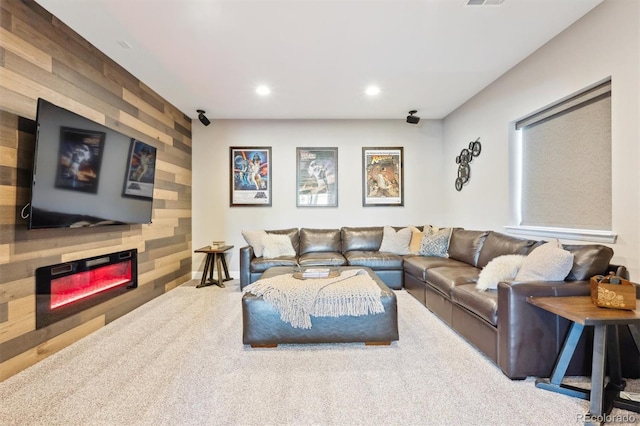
<point x="41" y="57"/>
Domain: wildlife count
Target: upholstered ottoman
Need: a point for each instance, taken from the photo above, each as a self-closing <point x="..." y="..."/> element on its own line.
<point x="262" y="326"/>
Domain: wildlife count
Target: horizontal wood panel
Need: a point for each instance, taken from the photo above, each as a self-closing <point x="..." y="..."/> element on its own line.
<point x="147" y="109"/>
<point x="5" y="250"/>
<point x="12" y="290"/>
<point x="160" y="193"/>
<point x="48" y="347"/>
<point x="21" y="318"/>
<point x="41" y="57"/>
<point x="138" y="125"/>
<point x="97" y="91"/>
<point x="33" y="90"/>
<point x="4" y="312"/>
<point x="25" y="50"/>
<point x="8" y="133"/>
<point x="8" y="195"/>
<point x="16" y="103"/>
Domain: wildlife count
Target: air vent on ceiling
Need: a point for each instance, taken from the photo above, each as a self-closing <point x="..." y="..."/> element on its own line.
<point x="483" y="2"/>
<point x="124" y="44"/>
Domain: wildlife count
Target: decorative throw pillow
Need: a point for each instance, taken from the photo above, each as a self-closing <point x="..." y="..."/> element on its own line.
<point x="435" y="242"/>
<point x="501" y="268"/>
<point x="395" y="242"/>
<point x="548" y="262"/>
<point x="416" y="240"/>
<point x="254" y="239"/>
<point x="276" y="245"/>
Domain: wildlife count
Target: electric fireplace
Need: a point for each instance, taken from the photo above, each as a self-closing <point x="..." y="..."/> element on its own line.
<point x="67" y="288"/>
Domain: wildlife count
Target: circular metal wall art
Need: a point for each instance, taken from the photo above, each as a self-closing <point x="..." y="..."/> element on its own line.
<point x="466" y="156"/>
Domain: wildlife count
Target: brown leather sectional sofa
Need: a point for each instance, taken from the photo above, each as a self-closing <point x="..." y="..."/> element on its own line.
<point x="521" y="339"/>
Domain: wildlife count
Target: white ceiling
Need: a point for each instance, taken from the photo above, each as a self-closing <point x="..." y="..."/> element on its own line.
<point x="317" y="56"/>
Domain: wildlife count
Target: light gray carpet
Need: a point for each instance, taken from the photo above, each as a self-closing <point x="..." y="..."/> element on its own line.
<point x="179" y="360"/>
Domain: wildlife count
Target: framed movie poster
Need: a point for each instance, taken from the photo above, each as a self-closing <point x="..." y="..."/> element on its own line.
<point x="250" y="179"/>
<point x="317" y="177"/>
<point x="141" y="170"/>
<point x="79" y="159"/>
<point x="382" y="180"/>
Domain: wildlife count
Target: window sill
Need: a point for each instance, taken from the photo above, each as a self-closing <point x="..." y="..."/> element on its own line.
<point x="564" y="233"/>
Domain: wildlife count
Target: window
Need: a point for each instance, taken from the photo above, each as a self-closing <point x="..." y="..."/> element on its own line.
<point x="565" y="168"/>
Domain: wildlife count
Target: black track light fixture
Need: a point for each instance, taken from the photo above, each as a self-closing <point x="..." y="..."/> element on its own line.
<point x="413" y="119"/>
<point x="203" y="118"/>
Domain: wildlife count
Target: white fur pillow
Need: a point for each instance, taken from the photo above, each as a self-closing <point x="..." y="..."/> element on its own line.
<point x="501" y="268"/>
<point x="548" y="262"/>
<point x="254" y="239"/>
<point x="276" y="245"/>
<point x="396" y="242"/>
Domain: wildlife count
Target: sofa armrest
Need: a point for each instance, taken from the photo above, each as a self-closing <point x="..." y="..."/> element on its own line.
<point x="246" y="254"/>
<point x="529" y="338"/>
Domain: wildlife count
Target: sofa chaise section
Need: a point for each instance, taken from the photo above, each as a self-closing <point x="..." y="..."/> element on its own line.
<point x="520" y="338"/>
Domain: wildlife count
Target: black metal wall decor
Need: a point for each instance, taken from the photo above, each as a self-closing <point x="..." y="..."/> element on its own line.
<point x="463" y="160"/>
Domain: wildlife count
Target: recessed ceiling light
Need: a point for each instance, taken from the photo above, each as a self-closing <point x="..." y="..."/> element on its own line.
<point x="372" y="90"/>
<point x="263" y="90"/>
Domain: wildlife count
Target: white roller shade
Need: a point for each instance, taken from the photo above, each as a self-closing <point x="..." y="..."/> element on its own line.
<point x="566" y="163"/>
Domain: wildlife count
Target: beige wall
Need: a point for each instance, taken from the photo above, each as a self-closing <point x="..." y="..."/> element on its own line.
<point x="213" y="219"/>
<point x="41" y="57"/>
<point x="605" y="42"/>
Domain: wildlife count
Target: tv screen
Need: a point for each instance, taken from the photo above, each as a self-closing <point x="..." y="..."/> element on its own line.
<point x="85" y="174"/>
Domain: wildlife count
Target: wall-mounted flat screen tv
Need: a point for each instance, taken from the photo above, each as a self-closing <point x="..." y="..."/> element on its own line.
<point x="85" y="174"/>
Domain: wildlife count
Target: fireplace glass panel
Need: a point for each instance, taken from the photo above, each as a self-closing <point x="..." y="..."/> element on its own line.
<point x="71" y="288"/>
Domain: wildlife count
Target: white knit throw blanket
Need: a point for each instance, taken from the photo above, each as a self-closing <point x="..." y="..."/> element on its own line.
<point x="353" y="293"/>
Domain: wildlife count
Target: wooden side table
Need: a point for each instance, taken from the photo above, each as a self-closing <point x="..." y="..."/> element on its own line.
<point x="215" y="256"/>
<point x="606" y="347"/>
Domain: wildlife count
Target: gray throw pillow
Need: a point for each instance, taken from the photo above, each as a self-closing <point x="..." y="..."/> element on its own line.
<point x="396" y="242"/>
<point x="254" y="239"/>
<point x="435" y="242"/>
<point x="548" y="262"/>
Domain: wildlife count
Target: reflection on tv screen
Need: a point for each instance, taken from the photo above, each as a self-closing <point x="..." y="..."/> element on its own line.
<point x="86" y="174"/>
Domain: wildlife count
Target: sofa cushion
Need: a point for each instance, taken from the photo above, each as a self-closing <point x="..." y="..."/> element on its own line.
<point x="435" y="242"/>
<point x="548" y="262"/>
<point x="588" y="260"/>
<point x="396" y="241"/>
<point x="319" y="240"/>
<point x="497" y="244"/>
<point x="501" y="268"/>
<point x="482" y="303"/>
<point x="373" y="259"/>
<point x="292" y="233"/>
<point x="361" y="238"/>
<point x="261" y="264"/>
<point x="418" y="266"/>
<point x="465" y="245"/>
<point x="445" y="278"/>
<point x="276" y="245"/>
<point x="324" y="258"/>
